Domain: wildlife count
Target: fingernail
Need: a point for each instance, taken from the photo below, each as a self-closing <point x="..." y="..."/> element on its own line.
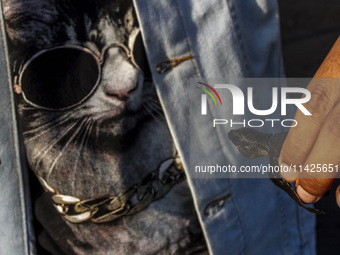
<point x="337" y="194"/>
<point x="287" y="173"/>
<point x="338" y="200"/>
<point x="305" y="196"/>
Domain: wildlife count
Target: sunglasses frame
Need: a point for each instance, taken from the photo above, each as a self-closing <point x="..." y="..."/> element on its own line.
<point x="99" y="59"/>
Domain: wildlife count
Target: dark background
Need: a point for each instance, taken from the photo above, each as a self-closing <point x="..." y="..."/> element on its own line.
<point x="309" y="29"/>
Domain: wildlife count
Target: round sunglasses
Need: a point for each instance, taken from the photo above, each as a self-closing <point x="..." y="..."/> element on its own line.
<point x="63" y="77"/>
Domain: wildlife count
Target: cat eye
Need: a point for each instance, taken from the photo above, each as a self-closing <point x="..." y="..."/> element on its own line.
<point x="64" y="77"/>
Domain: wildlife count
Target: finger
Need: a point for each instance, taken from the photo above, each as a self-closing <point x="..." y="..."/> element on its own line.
<point x="325" y="93"/>
<point x="337" y="195"/>
<point x="305" y="196"/>
<point x="330" y="66"/>
<point x="322" y="164"/>
<point x="288" y="173"/>
<point x="288" y="177"/>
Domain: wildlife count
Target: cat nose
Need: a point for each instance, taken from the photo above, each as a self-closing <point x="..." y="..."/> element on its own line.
<point x="120" y="78"/>
<point x="122" y="95"/>
<point x="122" y="87"/>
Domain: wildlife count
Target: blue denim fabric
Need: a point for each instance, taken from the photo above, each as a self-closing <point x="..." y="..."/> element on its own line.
<point x="16" y="232"/>
<point x="227" y="38"/>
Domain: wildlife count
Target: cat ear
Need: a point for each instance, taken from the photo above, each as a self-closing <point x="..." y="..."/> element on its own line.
<point x="130" y="19"/>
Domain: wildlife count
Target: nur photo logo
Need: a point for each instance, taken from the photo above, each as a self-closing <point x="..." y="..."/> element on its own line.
<point x="204" y="97"/>
<point x="243" y="101"/>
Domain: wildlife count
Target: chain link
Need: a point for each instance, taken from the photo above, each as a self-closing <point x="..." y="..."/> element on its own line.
<point x="99" y="210"/>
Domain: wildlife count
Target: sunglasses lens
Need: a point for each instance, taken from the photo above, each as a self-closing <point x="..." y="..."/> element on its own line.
<point x="60" y="78"/>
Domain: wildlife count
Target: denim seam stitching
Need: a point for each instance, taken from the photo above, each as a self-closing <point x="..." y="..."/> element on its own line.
<point x="281" y="71"/>
<point x="238" y="34"/>
<point x="238" y="218"/>
<point x="300" y="227"/>
<point x="22" y="203"/>
<point x="286" y="247"/>
<point x="198" y="74"/>
<point x="187" y="41"/>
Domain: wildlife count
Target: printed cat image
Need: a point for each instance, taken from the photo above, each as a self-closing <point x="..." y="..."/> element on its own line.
<point x="92" y="124"/>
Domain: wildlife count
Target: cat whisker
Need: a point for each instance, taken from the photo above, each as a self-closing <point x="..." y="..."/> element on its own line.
<point x="84" y="142"/>
<point x="77" y="131"/>
<point x="89" y="131"/>
<point x="51" y="124"/>
<point x="86" y="134"/>
<point x="150" y="111"/>
<point x="155" y="102"/>
<point x="142" y="113"/>
<point x="156" y="108"/>
<point x="153" y="108"/>
<point x="46" y="149"/>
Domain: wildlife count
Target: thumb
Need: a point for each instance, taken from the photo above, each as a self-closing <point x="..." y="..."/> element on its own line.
<point x="311" y="190"/>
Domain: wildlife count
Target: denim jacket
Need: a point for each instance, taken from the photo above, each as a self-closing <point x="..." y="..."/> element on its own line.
<point x="220" y="38"/>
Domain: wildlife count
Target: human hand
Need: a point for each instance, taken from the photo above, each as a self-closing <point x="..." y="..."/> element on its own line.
<point x="316" y="138"/>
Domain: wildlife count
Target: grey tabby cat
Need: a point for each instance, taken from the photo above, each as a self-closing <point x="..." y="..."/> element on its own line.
<point x="99" y="136"/>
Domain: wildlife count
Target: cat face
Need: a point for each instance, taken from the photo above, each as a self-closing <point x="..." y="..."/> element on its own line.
<point x="94" y="137"/>
<point x="118" y="96"/>
<point x="102" y="145"/>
